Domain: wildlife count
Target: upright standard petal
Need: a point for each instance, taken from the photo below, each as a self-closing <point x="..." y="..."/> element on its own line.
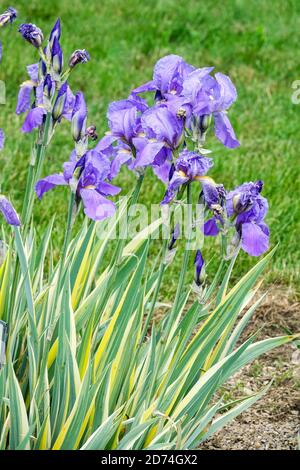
<point x="170" y="72"/>
<point x="160" y="123"/>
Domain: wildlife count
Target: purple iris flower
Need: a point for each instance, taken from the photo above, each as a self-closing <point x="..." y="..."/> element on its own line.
<point x="56" y="56"/>
<point x="249" y="209"/>
<point x="124" y="118"/>
<point x="168" y="77"/>
<point x="199" y="268"/>
<point x="42" y="90"/>
<point x="24" y="96"/>
<point x="212" y="95"/>
<point x="2" y="139"/>
<point x="9" y="212"/>
<point x="190" y="166"/>
<point x="80" y="56"/>
<point x="213" y="196"/>
<point x="8" y="16"/>
<point x="32" y="34"/>
<point x="92" y="185"/>
<point x="79" y="116"/>
<point x="163" y="133"/>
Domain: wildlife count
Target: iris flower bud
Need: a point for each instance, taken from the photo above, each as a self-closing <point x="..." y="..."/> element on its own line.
<point x="8" y="16"/>
<point x="91" y="133"/>
<point x="32" y="34"/>
<point x="60" y="102"/>
<point x="56" y="56"/>
<point x="79" y="116"/>
<point x="175" y="236"/>
<point x="199" y="268"/>
<point x="199" y="126"/>
<point x="79" y="56"/>
<point x="55" y="33"/>
<point x="3" y="339"/>
<point x="48" y="86"/>
<point x="170" y="254"/>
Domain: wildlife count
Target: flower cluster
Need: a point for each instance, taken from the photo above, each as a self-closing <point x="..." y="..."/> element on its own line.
<point x="88" y="171"/>
<point x="47" y="90"/>
<point x="169" y="135"/>
<point x="186" y="100"/>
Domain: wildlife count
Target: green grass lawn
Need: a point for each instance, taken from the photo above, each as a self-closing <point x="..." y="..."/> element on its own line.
<point x="255" y="42"/>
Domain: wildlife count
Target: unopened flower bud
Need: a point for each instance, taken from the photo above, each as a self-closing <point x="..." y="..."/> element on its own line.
<point x="32" y="34"/>
<point x="79" y="116"/>
<point x="175" y="236"/>
<point x="55" y="33"/>
<point x="199" y="268"/>
<point x="60" y="102"/>
<point x="205" y="122"/>
<point x="56" y="56"/>
<point x="48" y="86"/>
<point x="79" y="56"/>
<point x="8" y="16"/>
<point x="199" y="127"/>
<point x="91" y="132"/>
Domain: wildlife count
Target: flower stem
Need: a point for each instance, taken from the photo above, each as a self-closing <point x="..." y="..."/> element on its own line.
<point x="185" y="260"/>
<point x="68" y="228"/>
<point x="34" y="172"/>
<point x="64" y="249"/>
<point x="162" y="268"/>
<point x="133" y="200"/>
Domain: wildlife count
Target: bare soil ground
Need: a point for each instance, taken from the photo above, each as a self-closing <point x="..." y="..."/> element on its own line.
<point x="274" y="421"/>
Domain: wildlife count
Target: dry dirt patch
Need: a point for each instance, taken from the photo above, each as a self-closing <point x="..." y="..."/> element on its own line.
<point x="273" y="422"/>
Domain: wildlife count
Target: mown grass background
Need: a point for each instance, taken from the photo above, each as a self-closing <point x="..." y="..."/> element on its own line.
<point x="255" y="42"/>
